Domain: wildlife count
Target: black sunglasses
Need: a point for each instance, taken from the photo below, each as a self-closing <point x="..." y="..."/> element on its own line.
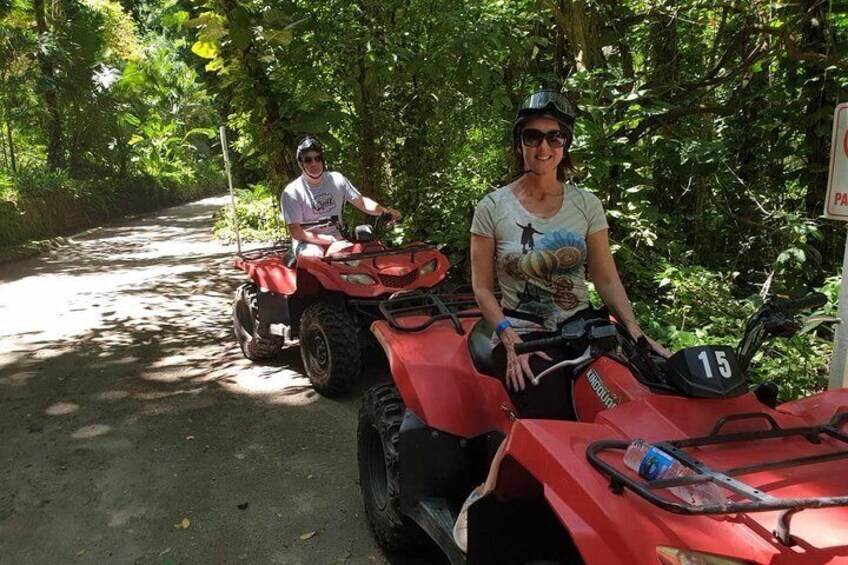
<point x="533" y="137"/>
<point x="309" y="160"/>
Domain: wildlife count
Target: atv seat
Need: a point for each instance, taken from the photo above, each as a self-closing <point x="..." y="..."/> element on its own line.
<point x="480" y="346"/>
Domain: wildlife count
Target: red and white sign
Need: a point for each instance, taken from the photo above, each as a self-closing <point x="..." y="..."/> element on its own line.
<point x="836" y="204"/>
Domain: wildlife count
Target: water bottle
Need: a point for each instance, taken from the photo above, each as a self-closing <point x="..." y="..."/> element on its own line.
<point x="654" y="464"/>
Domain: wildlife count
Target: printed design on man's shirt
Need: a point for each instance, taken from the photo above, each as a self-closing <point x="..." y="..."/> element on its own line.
<point x="322" y="202"/>
<point x="548" y="271"/>
<point x="527" y="233"/>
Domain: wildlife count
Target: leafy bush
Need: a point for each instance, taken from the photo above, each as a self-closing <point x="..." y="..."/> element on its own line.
<point x="258" y="216"/>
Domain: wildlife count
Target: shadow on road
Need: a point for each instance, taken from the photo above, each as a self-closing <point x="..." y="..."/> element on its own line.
<point x="137" y="433"/>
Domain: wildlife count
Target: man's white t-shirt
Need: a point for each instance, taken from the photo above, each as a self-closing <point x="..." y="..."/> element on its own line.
<point x="303" y="203"/>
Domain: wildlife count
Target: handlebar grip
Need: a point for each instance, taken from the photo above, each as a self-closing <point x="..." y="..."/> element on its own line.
<point x="789" y="306"/>
<point x="538" y="344"/>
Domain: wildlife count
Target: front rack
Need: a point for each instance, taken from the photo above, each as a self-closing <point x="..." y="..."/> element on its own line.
<point x="753" y="500"/>
<point x="412" y="248"/>
<point x="435" y="307"/>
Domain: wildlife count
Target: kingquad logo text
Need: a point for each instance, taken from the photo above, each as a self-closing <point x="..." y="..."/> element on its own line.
<point x="607" y="398"/>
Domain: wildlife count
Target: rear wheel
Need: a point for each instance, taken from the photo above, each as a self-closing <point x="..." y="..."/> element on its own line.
<point x="329" y="347"/>
<point x="380" y="417"/>
<point x="246" y="325"/>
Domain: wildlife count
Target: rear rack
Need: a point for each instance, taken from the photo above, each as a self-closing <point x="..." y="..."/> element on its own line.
<point x="435" y="306"/>
<point x="412" y="248"/>
<point x="254" y="254"/>
<point x="754" y="500"/>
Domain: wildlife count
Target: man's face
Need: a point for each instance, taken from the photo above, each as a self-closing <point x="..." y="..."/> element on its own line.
<point x="312" y="163"/>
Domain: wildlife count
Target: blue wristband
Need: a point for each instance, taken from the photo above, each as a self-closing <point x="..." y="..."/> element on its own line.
<point x="502" y="326"/>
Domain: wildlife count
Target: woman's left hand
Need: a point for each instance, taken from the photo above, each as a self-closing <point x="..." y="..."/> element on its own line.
<point x="661" y="350"/>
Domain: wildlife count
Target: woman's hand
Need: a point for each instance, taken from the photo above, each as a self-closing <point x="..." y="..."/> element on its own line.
<point x="660" y="350"/>
<point x="517" y="366"/>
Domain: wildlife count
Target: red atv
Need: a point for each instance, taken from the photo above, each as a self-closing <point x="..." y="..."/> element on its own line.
<point x="326" y="301"/>
<point x="563" y="493"/>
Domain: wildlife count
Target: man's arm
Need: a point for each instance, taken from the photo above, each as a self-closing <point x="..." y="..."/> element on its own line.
<point x="297" y="232"/>
<point x="372" y="208"/>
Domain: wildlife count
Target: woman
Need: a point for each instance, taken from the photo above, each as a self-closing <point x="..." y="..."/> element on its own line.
<point x="540" y="234"/>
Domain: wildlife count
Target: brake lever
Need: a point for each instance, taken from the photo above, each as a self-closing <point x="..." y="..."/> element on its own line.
<point x="566" y="363"/>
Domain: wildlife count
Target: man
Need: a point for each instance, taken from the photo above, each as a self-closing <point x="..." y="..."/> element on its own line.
<point x="317" y="195"/>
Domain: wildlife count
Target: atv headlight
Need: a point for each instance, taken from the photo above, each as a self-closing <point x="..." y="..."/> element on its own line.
<point x="358" y="278"/>
<point x="674" y="556"/>
<point x="428" y="267"/>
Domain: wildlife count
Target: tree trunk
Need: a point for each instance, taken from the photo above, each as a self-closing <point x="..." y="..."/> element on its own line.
<point x="54" y="119"/>
<point x="582" y="25"/>
<point x="11" y="145"/>
<point x="373" y="175"/>
<point x="276" y="142"/>
<point x="669" y="185"/>
<point x="819" y="93"/>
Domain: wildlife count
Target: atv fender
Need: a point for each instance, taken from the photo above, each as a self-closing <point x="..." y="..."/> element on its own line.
<point x="433" y="372"/>
<point x="818" y="408"/>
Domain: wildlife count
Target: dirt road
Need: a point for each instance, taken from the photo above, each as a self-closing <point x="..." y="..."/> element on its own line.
<point x="133" y="431"/>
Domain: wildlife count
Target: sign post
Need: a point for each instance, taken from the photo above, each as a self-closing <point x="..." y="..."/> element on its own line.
<point x="223" y="133"/>
<point x="836" y="208"/>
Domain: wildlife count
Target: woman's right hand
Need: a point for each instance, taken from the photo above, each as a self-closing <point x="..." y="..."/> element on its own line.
<point x="518" y="369"/>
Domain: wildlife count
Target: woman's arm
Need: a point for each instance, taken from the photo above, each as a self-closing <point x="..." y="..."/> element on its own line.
<point x="483" y="283"/>
<point x="483" y="278"/>
<point x="605" y="276"/>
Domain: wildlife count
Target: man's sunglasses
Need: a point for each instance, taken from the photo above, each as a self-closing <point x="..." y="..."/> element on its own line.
<point x="309" y="160"/>
<point x="533" y="137"/>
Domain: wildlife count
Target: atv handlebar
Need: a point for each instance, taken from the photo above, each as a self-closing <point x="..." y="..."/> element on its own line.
<point x="789" y="306"/>
<point x="539" y="344"/>
<point x="598" y="333"/>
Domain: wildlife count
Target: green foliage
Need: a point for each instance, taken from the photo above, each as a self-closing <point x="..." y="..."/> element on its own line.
<point x="703" y="126"/>
<point x="258" y="217"/>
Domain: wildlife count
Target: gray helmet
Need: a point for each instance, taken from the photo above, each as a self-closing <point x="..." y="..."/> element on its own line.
<point x="308" y="144"/>
<point x="544" y="103"/>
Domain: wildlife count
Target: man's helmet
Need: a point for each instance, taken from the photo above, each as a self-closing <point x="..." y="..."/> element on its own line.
<point x="544" y="103"/>
<point x="308" y="144"/>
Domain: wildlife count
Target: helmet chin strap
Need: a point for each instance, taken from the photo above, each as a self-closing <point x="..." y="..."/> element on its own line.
<point x="313" y="177"/>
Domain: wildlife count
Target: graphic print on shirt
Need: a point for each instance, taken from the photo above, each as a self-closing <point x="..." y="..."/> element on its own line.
<point x="527" y="233"/>
<point x="323" y="202"/>
<point x="548" y="271"/>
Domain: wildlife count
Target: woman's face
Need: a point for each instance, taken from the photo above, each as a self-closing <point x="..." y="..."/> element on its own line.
<point x="543" y="158"/>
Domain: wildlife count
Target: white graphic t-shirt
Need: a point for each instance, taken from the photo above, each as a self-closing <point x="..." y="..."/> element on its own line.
<point x="540" y="262"/>
<point x="303" y="204"/>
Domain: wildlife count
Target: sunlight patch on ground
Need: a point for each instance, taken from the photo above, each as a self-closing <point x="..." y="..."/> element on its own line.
<point x="161" y="395"/>
<point x="122" y="517"/>
<point x="18" y="379"/>
<point x="112" y="395"/>
<point x="282" y="386"/>
<point x="61" y="408"/>
<point x="94" y="430"/>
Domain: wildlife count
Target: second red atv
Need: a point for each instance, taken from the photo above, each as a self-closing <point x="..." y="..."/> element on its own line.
<point x="563" y="493"/>
<point x="323" y="303"/>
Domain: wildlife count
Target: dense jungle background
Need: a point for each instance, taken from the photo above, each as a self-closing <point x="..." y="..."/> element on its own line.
<point x="704" y="126"/>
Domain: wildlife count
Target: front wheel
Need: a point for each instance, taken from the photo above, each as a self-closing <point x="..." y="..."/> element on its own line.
<point x="380" y="417"/>
<point x="329" y="347"/>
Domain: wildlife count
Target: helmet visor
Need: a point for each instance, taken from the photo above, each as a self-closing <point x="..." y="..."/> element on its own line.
<point x="541" y="99"/>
